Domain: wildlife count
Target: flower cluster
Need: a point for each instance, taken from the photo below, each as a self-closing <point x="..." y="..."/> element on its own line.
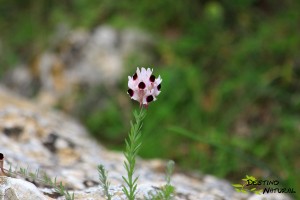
<point x="143" y="86"/>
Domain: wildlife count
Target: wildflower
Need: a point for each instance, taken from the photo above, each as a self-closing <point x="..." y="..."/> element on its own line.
<point x="143" y="86"/>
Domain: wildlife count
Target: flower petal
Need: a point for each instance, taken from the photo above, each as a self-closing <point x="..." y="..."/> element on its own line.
<point x="143" y="86"/>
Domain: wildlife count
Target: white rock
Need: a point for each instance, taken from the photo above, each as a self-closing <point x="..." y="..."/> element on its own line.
<point x="17" y="189"/>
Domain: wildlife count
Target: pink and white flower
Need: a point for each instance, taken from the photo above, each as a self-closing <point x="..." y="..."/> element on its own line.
<point x="143" y="86"/>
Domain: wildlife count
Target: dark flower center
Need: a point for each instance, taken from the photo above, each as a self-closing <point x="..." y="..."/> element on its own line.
<point x="130" y="92"/>
<point x="142" y="85"/>
<point x="134" y="76"/>
<point x="149" y="98"/>
<point x="152" y="78"/>
<point x="159" y="86"/>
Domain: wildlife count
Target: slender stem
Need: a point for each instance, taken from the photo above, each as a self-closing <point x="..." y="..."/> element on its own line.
<point x="133" y="144"/>
<point x="2" y="172"/>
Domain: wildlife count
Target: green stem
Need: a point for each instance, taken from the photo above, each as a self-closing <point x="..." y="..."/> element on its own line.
<point x="103" y="180"/>
<point x="133" y="144"/>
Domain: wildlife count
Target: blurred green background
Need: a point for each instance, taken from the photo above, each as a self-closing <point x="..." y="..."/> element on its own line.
<point x="230" y="98"/>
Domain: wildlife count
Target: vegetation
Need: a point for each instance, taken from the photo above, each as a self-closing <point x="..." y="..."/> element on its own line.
<point x="167" y="192"/>
<point x="133" y="145"/>
<point x="43" y="179"/>
<point x="104" y="183"/>
<point x="231" y="78"/>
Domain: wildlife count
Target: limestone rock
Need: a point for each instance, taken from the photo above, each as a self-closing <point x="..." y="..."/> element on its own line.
<point x="38" y="137"/>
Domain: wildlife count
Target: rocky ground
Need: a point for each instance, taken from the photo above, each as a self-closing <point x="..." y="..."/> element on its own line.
<point x="38" y="137"/>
